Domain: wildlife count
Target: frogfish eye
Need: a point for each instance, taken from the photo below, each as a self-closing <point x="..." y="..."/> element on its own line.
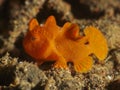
<point x="33" y="38"/>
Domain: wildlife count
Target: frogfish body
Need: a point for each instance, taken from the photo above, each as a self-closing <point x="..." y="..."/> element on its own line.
<point x="50" y="42"/>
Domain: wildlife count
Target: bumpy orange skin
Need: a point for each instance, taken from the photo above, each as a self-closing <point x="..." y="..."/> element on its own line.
<point x="50" y="42"/>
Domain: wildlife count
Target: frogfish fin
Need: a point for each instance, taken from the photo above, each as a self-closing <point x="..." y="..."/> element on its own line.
<point x="33" y="23"/>
<point x="97" y="42"/>
<point x="72" y="31"/>
<point x="50" y="21"/>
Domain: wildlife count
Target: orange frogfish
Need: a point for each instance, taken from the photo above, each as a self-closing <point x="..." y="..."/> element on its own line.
<point x="50" y="42"/>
